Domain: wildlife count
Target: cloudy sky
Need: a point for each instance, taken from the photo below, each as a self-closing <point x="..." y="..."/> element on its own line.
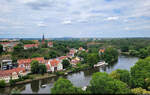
<point x="74" y="18"/>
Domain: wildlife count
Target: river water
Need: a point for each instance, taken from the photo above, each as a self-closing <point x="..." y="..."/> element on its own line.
<point x="79" y="79"/>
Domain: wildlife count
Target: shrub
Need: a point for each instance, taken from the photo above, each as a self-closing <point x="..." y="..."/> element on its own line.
<point x="2" y="83"/>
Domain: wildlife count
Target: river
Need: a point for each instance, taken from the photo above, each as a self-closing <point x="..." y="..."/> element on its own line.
<point x="79" y="79"/>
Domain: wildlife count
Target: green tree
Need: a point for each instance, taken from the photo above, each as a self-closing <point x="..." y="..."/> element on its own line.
<point x="83" y="55"/>
<point x="18" y="48"/>
<point x="65" y="63"/>
<point x="2" y="83"/>
<point x="110" y="55"/>
<point x="64" y="86"/>
<point x="42" y="69"/>
<point x="143" y="53"/>
<point x="125" y="48"/>
<point x="101" y="83"/>
<point x="140" y="73"/>
<point x="12" y="82"/>
<point x="34" y="67"/>
<point x="37" y="68"/>
<point x="1" y="48"/>
<point x="92" y="59"/>
<point x="139" y="91"/>
<point x="35" y="55"/>
<point x="122" y="75"/>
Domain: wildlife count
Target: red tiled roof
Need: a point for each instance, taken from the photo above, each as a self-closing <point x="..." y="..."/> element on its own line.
<point x="4" y="43"/>
<point x="24" y="61"/>
<point x="30" y="45"/>
<point x="62" y="57"/>
<point x="102" y="50"/>
<point x="40" y="59"/>
<point x="50" y="43"/>
<point x="28" y="61"/>
<point x="54" y="62"/>
<point x="46" y="61"/>
<point x="9" y="72"/>
<point x="81" y="48"/>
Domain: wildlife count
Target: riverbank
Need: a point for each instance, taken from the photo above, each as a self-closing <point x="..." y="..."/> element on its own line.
<point x="33" y="77"/>
<point x="79" y="79"/>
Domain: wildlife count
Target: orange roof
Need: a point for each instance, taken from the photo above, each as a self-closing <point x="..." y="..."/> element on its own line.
<point x="62" y="57"/>
<point x="54" y="62"/>
<point x="24" y="61"/>
<point x="9" y="72"/>
<point x="101" y="50"/>
<point x="4" y="43"/>
<point x="81" y="48"/>
<point x="30" y="45"/>
<point x="38" y="59"/>
<point x="50" y="43"/>
<point x="28" y="61"/>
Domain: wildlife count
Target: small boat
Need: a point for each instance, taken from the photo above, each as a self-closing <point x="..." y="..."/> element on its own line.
<point x="43" y="86"/>
<point x="84" y="88"/>
<point x="102" y="63"/>
<point x="66" y="73"/>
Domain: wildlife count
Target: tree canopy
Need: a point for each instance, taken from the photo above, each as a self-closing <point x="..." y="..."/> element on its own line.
<point x="101" y="83"/>
<point x="122" y="75"/>
<point x="64" y="86"/>
<point x="110" y="55"/>
<point x="92" y="59"/>
<point x="37" y="68"/>
<point x="140" y="72"/>
<point x="65" y="63"/>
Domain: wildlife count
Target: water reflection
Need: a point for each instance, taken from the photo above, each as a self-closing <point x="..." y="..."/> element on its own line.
<point x="35" y="86"/>
<point x="79" y="79"/>
<point x="90" y="72"/>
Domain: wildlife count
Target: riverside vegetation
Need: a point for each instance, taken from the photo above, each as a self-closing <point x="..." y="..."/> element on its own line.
<point x="136" y="81"/>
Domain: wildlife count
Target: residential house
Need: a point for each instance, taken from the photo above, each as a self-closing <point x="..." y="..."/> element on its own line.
<point x="27" y="46"/>
<point x="54" y="65"/>
<point x="8" y="46"/>
<point x="6" y="64"/>
<point x="50" y="44"/>
<point x="81" y="49"/>
<point x="101" y="51"/>
<point x="39" y="59"/>
<point x="26" y="62"/>
<point x="12" y="74"/>
<point x="62" y="58"/>
<point x="72" y="53"/>
<point x="75" y="61"/>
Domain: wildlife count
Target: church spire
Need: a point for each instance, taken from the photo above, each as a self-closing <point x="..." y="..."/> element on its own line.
<point x="43" y="39"/>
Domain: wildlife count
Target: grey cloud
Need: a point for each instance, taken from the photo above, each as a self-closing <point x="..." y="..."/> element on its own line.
<point x="38" y="5"/>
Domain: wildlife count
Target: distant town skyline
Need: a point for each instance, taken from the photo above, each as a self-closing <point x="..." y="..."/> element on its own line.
<point x="74" y="18"/>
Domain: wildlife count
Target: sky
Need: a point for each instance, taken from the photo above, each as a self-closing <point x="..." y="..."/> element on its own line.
<point x="74" y="18"/>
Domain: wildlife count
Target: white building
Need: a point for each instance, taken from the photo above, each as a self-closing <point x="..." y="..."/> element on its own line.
<point x="54" y="65"/>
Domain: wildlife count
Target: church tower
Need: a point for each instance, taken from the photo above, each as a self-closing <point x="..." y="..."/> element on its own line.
<point x="43" y="39"/>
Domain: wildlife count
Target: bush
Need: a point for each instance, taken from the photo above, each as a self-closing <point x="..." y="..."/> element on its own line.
<point x="2" y="83"/>
<point x="12" y="82"/>
<point x="59" y="73"/>
<point x="25" y="77"/>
